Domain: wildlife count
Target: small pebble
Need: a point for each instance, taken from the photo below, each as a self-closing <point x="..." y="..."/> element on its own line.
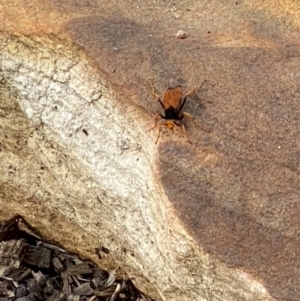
<point x="181" y="34"/>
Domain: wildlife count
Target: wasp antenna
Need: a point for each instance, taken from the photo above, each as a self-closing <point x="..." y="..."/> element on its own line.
<point x="159" y="131"/>
<point x="155" y="126"/>
<point x="155" y="117"/>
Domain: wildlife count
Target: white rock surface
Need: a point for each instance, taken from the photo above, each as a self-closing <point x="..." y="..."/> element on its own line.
<point x="85" y="156"/>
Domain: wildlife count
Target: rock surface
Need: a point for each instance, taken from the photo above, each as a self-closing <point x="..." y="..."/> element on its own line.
<point x="215" y="219"/>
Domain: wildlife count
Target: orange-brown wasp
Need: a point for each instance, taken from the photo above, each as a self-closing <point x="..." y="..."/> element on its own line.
<point x="173" y="101"/>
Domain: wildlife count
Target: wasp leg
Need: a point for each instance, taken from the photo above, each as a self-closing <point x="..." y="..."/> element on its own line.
<point x="193" y="91"/>
<point x="193" y="118"/>
<point x="155" y="95"/>
<point x="188" y="115"/>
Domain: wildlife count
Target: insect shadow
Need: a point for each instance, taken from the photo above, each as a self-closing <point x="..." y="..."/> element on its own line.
<point x="173" y="101"/>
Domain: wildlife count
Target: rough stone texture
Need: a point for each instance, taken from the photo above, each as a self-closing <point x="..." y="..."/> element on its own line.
<point x="217" y="219"/>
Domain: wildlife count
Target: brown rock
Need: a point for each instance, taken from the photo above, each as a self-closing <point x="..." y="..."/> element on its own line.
<point x="215" y="219"/>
